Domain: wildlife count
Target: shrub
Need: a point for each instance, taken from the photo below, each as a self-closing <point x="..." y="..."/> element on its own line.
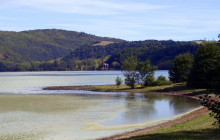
<point x="150" y="80"/>
<point x="161" y="80"/>
<point x="212" y="105"/>
<point x="118" y="81"/>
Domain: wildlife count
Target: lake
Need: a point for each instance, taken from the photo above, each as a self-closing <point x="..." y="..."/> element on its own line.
<point x="33" y="82"/>
<point x="28" y="112"/>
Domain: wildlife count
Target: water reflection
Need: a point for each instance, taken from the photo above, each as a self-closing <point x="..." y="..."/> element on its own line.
<point x="141" y="108"/>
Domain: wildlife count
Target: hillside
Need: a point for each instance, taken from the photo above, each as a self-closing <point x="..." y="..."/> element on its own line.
<point x="53" y="49"/>
<point x="43" y="45"/>
<point x="161" y="53"/>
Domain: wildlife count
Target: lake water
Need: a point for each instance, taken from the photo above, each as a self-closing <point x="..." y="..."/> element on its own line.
<point x="33" y="82"/>
<point x="28" y="112"/>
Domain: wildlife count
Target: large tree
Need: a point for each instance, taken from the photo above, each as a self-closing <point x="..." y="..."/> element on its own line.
<point x="206" y="67"/>
<point x="181" y="66"/>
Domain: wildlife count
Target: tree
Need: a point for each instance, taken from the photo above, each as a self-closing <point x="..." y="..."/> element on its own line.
<point x="146" y="72"/>
<point x="130" y="71"/>
<point x="181" y="66"/>
<point x="118" y="81"/>
<point x="206" y="68"/>
<point x="134" y="72"/>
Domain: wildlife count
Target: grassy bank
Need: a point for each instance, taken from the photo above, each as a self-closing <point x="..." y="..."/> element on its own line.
<point x="199" y="128"/>
<point x="177" y="88"/>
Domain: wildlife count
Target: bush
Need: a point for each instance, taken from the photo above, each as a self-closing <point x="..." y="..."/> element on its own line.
<point x="161" y="80"/>
<point x="150" y="80"/>
<point x="212" y="105"/>
<point x="118" y="81"/>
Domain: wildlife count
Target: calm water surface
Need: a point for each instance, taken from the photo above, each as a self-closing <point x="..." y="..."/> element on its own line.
<point x="28" y="112"/>
<point x="33" y="82"/>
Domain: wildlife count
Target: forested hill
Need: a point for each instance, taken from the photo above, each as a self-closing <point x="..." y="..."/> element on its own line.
<point x="67" y="50"/>
<point x="43" y="45"/>
<point x="160" y="53"/>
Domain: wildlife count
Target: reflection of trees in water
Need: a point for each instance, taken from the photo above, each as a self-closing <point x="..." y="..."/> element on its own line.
<point x="143" y="106"/>
<point x="182" y="104"/>
<point x="139" y="107"/>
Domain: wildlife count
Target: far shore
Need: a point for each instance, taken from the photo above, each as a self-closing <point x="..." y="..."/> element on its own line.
<point x="179" y="89"/>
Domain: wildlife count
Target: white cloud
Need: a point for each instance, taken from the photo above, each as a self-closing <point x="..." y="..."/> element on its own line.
<point x="90" y="7"/>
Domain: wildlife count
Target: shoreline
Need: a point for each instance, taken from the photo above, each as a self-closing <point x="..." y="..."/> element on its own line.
<point x="148" y="130"/>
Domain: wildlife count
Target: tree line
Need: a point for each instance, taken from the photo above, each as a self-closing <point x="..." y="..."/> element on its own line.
<point x="54" y="65"/>
<point x="160" y="53"/>
<point x="87" y="57"/>
<point x="201" y="71"/>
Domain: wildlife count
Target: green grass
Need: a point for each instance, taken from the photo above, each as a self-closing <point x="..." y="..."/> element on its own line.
<point x="199" y="128"/>
<point x="108" y="88"/>
<point x="124" y="88"/>
<point x="179" y="87"/>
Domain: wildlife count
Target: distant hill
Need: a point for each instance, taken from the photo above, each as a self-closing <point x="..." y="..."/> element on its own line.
<point x="43" y="45"/>
<point x="160" y="53"/>
<point x="53" y="49"/>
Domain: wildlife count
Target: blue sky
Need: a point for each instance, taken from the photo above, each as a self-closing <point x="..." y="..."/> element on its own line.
<point x="125" y="19"/>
